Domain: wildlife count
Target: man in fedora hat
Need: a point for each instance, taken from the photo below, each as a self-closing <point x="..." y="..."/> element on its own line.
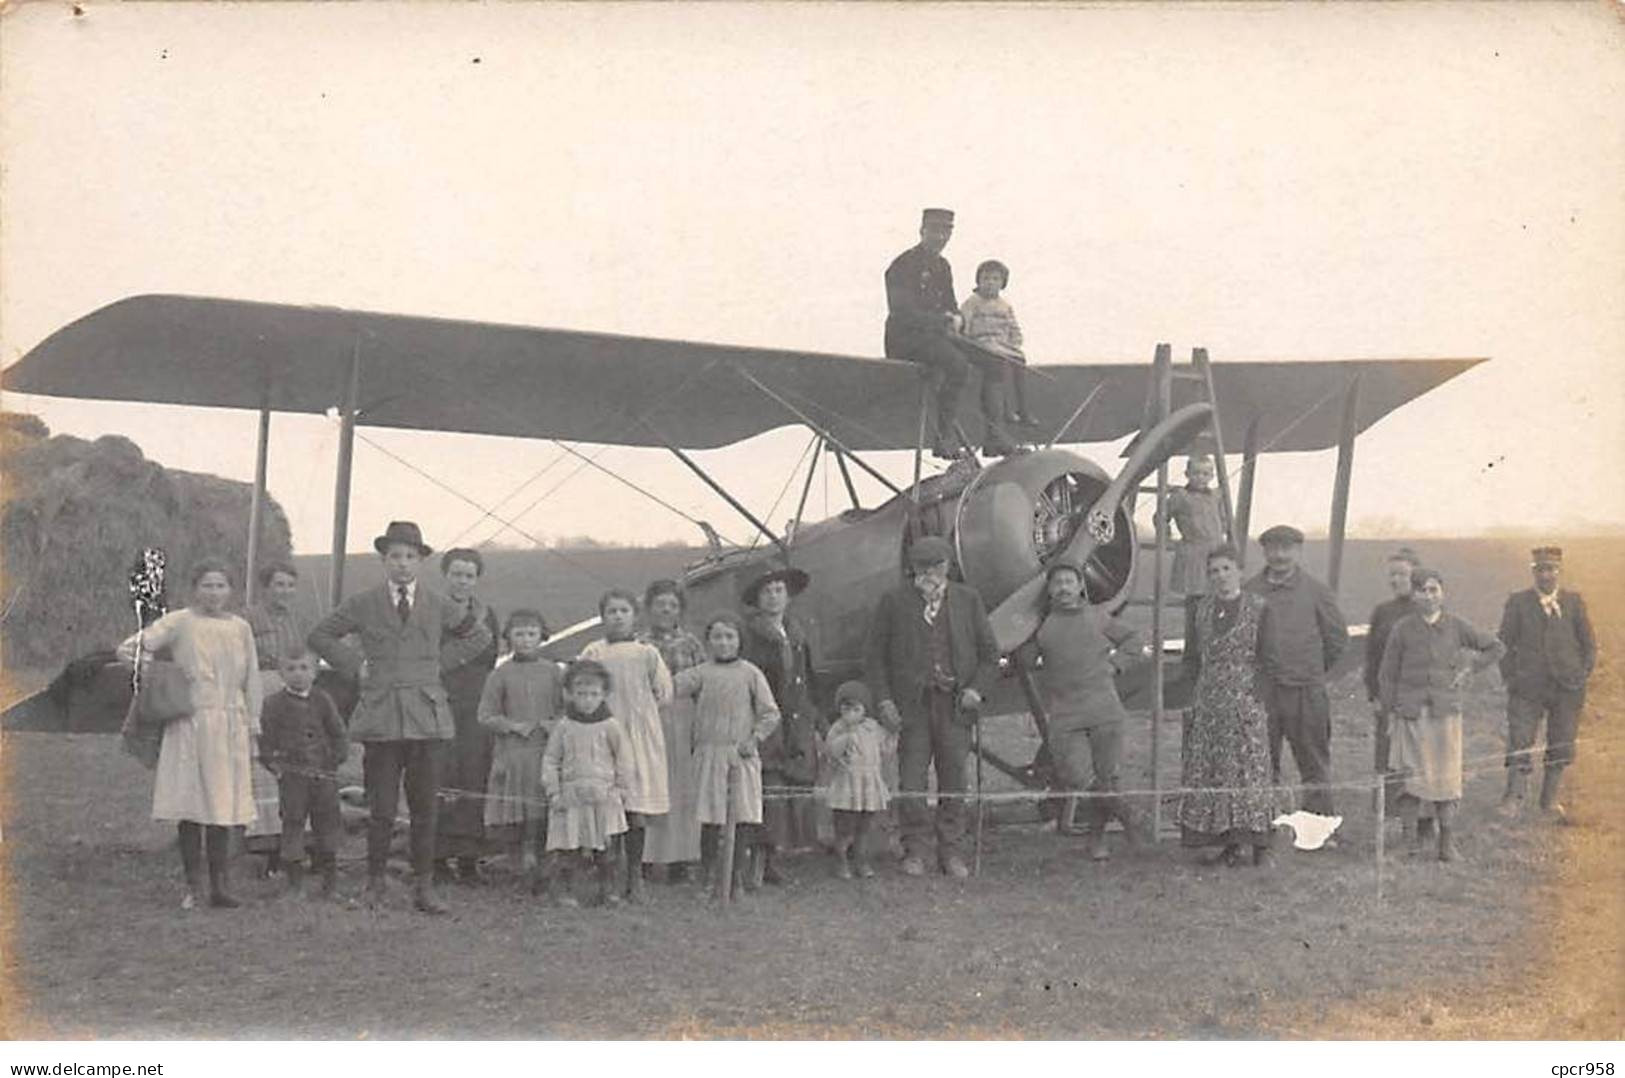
<point x="1550" y="654"/>
<point x="778" y="643"/>
<point x="923" y="324"/>
<point x="1302" y="636"/>
<point x="930" y="658"/>
<point x="408" y="635"/>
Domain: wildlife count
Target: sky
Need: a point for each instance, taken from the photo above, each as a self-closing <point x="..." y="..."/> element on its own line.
<point x="1267" y="181"/>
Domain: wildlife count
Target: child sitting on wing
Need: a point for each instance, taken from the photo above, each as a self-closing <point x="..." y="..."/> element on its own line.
<point x="990" y="322"/>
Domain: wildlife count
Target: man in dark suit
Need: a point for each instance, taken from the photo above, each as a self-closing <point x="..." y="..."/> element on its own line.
<point x="1550" y="654"/>
<point x="403" y="719"/>
<point x="930" y="658"/>
<point x="923" y="326"/>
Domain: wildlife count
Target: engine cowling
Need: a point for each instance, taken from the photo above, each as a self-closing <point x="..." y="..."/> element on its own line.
<point x="1020" y="513"/>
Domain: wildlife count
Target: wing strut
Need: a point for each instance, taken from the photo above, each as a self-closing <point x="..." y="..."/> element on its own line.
<point x="818" y="428"/>
<point x="714" y="485"/>
<point x="341" y="478"/>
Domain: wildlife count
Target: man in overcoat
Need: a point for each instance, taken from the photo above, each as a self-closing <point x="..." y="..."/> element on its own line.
<point x="930" y="659"/>
<point x="1551" y="651"/>
<point x="1302" y="637"/>
<point x="408" y="635"/>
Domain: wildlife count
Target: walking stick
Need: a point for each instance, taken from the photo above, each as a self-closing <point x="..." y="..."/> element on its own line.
<point x="725" y="887"/>
<point x="976" y="749"/>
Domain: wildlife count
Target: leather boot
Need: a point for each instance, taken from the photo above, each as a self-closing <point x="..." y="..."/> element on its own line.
<point x="1512" y="800"/>
<point x="191" y="845"/>
<point x="424" y="899"/>
<point x="327" y="869"/>
<point x="843" y="858"/>
<point x="1098" y="848"/>
<point x="607" y="863"/>
<point x="1409" y="809"/>
<point x="747" y="862"/>
<point x="1550" y="786"/>
<point x="372" y="896"/>
<point x="771" y="870"/>
<point x="216" y="844"/>
<point x="632" y="849"/>
<point x="1447" y="832"/>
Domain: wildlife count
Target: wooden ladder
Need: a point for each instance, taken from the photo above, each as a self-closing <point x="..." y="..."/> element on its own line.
<point x="1158" y="406"/>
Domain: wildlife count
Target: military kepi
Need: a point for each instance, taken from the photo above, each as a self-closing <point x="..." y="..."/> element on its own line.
<point x="1281" y="535"/>
<point x="1547" y="555"/>
<point x="402" y="531"/>
<point x="935" y="216"/>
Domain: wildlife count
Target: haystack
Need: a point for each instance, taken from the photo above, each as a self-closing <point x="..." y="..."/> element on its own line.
<point x="74" y="515"/>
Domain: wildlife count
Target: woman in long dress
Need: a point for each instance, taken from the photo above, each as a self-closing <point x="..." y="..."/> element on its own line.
<point x="460" y="831"/>
<point x="1225" y="754"/>
<point x="674" y="839"/>
<point x="202" y="781"/>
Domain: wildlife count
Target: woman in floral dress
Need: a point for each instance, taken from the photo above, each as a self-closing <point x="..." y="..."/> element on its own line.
<point x="1226" y="756"/>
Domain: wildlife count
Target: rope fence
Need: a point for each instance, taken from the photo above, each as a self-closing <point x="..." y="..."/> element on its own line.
<point x="1471" y="767"/>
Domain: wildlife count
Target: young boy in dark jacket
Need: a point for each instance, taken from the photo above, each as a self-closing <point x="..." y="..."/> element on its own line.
<point x="302" y="743"/>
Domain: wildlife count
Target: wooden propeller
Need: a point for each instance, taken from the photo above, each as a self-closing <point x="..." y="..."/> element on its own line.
<point x="1018" y="617"/>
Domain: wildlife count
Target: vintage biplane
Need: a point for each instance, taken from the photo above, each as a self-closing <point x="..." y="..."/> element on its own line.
<point x="1007" y="519"/>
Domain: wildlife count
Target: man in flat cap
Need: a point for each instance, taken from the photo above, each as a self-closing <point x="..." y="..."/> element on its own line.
<point x="922" y="324"/>
<point x="1550" y="654"/>
<point x="1301" y="638"/>
<point x="408" y="635"/>
<point x="929" y="659"/>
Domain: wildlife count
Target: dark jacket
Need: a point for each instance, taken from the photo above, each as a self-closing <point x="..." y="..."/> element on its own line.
<point x="302" y="731"/>
<point x="1541" y="648"/>
<point x="897" y="657"/>
<point x="919" y="291"/>
<point x="1305" y="633"/>
<point x="401" y="695"/>
<point x="1420" y="663"/>
<point x="788" y="664"/>
<point x="1383" y="619"/>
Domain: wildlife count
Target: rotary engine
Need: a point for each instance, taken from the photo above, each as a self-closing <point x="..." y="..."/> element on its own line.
<point x="1017" y="515"/>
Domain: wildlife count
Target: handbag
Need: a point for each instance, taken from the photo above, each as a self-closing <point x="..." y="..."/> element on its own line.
<point x="164" y="694"/>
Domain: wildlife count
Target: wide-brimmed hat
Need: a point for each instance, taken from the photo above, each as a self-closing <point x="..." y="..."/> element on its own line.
<point x="402" y="531"/>
<point x="794" y="579"/>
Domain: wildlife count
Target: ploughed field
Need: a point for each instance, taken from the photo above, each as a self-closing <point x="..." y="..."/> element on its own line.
<point x="1520" y="938"/>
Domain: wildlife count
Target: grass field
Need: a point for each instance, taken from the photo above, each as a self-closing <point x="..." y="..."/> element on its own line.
<point x="1521" y="938"/>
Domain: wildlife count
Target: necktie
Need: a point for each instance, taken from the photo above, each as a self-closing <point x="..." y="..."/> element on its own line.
<point x="403" y="605"/>
<point x="1548" y="603"/>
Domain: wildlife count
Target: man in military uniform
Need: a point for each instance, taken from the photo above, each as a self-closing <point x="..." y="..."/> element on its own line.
<point x="1550" y="654"/>
<point x="922" y="326"/>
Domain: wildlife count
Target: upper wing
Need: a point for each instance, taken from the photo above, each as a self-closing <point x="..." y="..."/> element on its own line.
<point x="487" y="378"/>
